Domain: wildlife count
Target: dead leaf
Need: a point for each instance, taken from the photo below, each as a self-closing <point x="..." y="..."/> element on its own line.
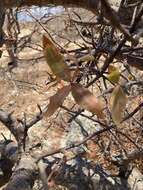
<point x="55" y="60"/>
<point x="57" y="100"/>
<point x="87" y="100"/>
<point x="118" y="101"/>
<point x="87" y="57"/>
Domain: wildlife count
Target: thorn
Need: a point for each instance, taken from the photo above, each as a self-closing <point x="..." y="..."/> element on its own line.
<point x="39" y="107"/>
<point x="4" y="137"/>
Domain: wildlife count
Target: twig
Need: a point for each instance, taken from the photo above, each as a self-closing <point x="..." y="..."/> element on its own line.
<point x="37" y="117"/>
<point x="133" y="112"/>
<point x="74" y="145"/>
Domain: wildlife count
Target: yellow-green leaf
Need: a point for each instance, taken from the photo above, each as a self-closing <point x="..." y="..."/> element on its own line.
<point x="114" y="76"/>
<point x="87" y="100"/>
<point x="55" y="60"/>
<point x="118" y="101"/>
<point x="111" y="68"/>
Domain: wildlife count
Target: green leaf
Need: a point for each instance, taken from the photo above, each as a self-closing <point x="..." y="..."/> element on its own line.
<point x="55" y="60"/>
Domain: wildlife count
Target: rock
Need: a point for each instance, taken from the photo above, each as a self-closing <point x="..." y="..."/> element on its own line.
<point x="80" y="128"/>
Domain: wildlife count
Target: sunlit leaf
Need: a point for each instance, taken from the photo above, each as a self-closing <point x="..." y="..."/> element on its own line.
<point x="87" y="100"/>
<point x="111" y="68"/>
<point x="114" y="75"/>
<point x="57" y="100"/>
<point x="117" y="104"/>
<point x="55" y="60"/>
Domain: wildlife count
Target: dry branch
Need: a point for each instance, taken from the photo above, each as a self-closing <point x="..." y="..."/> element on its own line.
<point x="91" y="5"/>
<point x="80" y="176"/>
<point x="10" y="122"/>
